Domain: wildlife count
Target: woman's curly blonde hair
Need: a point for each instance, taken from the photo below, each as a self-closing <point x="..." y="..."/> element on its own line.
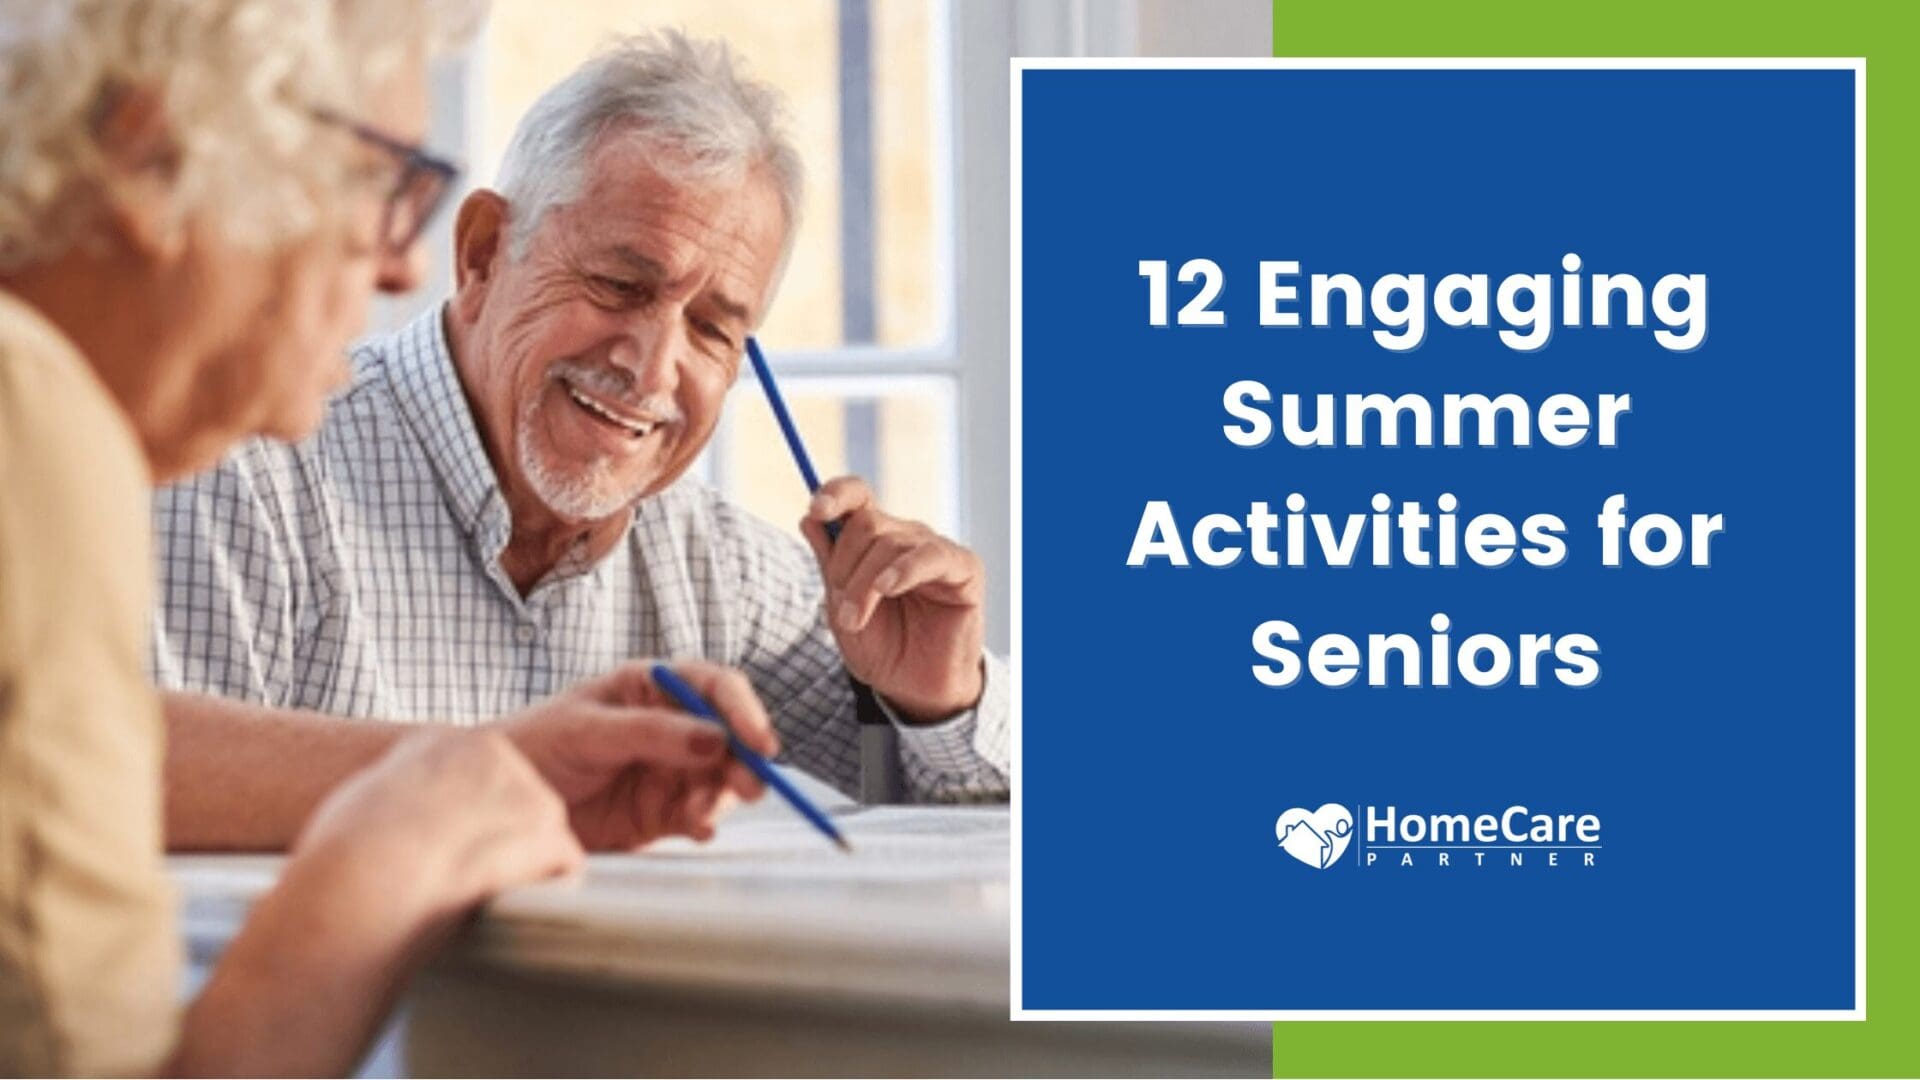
<point x="237" y="82"/>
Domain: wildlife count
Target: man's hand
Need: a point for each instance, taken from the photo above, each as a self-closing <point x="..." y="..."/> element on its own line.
<point x="630" y="766"/>
<point x="906" y="604"/>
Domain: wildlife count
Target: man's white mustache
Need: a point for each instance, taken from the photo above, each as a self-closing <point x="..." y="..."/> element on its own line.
<point x="616" y="387"/>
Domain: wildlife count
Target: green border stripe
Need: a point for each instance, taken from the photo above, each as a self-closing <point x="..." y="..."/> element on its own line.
<point x="1886" y="1044"/>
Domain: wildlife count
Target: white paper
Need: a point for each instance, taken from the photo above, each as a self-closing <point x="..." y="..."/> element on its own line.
<point x="890" y="843"/>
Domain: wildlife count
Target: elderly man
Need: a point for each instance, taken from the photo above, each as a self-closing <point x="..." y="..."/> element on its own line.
<point x="497" y="506"/>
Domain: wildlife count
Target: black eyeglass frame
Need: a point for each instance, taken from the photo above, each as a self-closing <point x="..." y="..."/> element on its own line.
<point x="415" y="160"/>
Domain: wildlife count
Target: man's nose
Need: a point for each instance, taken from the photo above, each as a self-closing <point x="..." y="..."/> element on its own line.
<point x="648" y="353"/>
<point x="402" y="271"/>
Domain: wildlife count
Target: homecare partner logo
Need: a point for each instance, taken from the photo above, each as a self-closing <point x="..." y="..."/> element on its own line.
<point x="1513" y="837"/>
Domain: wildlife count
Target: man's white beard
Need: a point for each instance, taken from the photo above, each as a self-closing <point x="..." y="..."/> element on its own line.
<point x="585" y="493"/>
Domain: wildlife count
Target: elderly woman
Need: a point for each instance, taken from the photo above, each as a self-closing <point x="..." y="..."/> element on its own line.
<point x="197" y="198"/>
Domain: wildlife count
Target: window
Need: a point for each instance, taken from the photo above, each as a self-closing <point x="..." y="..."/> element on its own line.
<point x="861" y="332"/>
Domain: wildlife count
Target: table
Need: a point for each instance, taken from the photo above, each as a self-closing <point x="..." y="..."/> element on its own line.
<point x="765" y="953"/>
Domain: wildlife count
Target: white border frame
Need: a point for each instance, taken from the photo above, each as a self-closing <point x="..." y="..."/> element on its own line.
<point x="1857" y="65"/>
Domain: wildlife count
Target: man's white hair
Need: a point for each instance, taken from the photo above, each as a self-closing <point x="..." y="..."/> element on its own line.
<point x="237" y="82"/>
<point x="687" y="96"/>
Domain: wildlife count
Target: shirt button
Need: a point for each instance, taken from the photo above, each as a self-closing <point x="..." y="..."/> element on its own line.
<point x="523" y="632"/>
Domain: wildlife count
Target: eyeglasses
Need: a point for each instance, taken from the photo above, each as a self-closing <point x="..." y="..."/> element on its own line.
<point x="425" y="181"/>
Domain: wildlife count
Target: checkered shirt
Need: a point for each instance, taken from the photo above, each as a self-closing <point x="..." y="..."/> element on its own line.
<point x="357" y="574"/>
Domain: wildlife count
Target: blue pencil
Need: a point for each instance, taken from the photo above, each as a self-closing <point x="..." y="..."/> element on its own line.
<point x="690" y="700"/>
<point x="785" y="420"/>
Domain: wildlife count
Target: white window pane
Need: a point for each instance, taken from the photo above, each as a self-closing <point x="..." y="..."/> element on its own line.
<point x="895" y="431"/>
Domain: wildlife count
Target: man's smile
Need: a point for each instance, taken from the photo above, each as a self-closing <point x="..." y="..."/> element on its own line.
<point x="610" y="412"/>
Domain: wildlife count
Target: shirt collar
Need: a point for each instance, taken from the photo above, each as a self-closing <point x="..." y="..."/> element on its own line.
<point x="434" y="405"/>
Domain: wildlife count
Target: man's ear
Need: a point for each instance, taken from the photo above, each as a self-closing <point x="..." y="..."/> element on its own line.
<point x="142" y="163"/>
<point x="479" y="248"/>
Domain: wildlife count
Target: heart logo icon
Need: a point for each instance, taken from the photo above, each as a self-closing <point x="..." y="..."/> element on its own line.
<point x="1318" y="838"/>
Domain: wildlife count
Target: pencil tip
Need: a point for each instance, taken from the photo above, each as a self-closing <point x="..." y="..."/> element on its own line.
<point x="841" y="843"/>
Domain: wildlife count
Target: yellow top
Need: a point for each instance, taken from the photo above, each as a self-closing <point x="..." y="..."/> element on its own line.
<point x="89" y="948"/>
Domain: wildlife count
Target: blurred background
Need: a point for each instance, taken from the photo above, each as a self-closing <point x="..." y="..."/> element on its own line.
<point x="890" y="330"/>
